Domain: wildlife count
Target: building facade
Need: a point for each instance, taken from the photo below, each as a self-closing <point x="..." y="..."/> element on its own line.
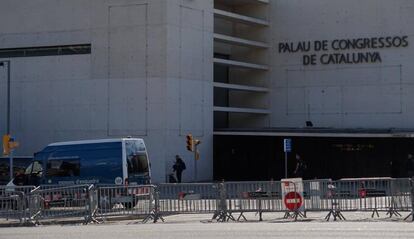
<point x="108" y="69"/>
<point x="240" y="75"/>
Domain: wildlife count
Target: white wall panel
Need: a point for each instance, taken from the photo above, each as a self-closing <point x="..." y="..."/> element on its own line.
<point x="342" y="95"/>
<point x="191" y="73"/>
<point x="127" y="70"/>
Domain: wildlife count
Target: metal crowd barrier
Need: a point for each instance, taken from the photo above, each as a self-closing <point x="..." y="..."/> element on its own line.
<point x="258" y="197"/>
<point x="225" y="200"/>
<point x="120" y="200"/>
<point x="373" y="195"/>
<point x="13" y="203"/>
<point x="181" y="198"/>
<point x="12" y="206"/>
<point x="47" y="203"/>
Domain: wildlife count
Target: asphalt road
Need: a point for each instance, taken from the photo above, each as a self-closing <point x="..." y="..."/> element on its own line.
<point x="182" y="228"/>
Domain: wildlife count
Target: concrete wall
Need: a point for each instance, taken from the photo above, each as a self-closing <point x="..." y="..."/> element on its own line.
<point x="189" y="69"/>
<point x="149" y="58"/>
<point x="369" y="95"/>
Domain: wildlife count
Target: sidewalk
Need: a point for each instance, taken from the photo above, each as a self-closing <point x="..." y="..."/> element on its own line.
<point x="207" y="218"/>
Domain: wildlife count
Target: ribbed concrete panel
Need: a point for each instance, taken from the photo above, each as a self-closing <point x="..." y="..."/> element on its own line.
<point x="241" y="110"/>
<point x="234" y="17"/>
<point x="241" y="87"/>
<point x="236" y="3"/>
<point x="128" y="70"/>
<point x="240" y="64"/>
<point x="239" y="41"/>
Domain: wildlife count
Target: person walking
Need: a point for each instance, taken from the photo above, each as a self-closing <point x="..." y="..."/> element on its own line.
<point x="178" y="167"/>
<point x="300" y="167"/>
<point x="410" y="165"/>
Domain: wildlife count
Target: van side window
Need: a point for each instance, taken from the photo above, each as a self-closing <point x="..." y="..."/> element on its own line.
<point x="61" y="167"/>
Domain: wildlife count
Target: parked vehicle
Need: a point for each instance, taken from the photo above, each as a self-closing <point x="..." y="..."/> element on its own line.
<point x="102" y="161"/>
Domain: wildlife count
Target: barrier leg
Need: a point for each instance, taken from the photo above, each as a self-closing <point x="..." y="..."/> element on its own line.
<point x="392" y="211"/>
<point x="374" y="212"/>
<point x="260" y="215"/>
<point x="240" y="216"/>
<point x="92" y="205"/>
<point x="410" y="215"/>
<point x="335" y="213"/>
<point x="222" y="214"/>
<point x="340" y="215"/>
<point x="294" y="214"/>
<point x="35" y="207"/>
<point x="155" y="214"/>
<point x="412" y="201"/>
<point x="329" y="215"/>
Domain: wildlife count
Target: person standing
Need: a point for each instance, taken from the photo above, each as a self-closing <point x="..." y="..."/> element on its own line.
<point x="178" y="167"/>
<point x="300" y="167"/>
<point x="395" y="168"/>
<point x="410" y="165"/>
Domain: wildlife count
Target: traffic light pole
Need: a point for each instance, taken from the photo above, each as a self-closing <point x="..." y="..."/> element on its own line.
<point x="8" y="97"/>
<point x="195" y="162"/>
<point x="11" y="164"/>
<point x="8" y="118"/>
<point x="3" y="63"/>
<point x="8" y="114"/>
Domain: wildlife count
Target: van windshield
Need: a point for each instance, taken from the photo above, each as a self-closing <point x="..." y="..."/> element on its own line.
<point x="34" y="168"/>
<point x="136" y="159"/>
<point x="137" y="164"/>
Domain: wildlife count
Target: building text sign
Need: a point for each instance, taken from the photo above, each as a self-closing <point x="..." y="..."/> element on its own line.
<point x="343" y="51"/>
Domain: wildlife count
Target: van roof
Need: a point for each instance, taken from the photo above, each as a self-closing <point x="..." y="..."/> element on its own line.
<point x="16" y="157"/>
<point x="92" y="141"/>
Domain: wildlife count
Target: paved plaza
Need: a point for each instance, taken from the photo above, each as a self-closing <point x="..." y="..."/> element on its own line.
<point x="201" y="226"/>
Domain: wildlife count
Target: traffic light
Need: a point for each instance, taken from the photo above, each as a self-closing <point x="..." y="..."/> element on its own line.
<point x="190" y="142"/>
<point x="6" y="146"/>
<point x="13" y="144"/>
<point x="9" y="144"/>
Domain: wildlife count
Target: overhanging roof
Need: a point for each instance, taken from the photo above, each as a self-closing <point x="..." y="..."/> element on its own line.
<point x="320" y="132"/>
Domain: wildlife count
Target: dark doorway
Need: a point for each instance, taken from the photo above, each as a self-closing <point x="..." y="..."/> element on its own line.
<point x="262" y="157"/>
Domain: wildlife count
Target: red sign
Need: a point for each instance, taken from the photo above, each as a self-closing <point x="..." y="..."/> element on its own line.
<point x="293" y="200"/>
<point x="362" y="192"/>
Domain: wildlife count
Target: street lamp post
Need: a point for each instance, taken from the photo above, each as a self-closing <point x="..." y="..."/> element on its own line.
<point x="3" y="63"/>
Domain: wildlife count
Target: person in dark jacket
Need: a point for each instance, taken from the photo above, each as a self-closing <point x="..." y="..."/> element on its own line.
<point x="178" y="167"/>
<point x="410" y="165"/>
<point x="300" y="167"/>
